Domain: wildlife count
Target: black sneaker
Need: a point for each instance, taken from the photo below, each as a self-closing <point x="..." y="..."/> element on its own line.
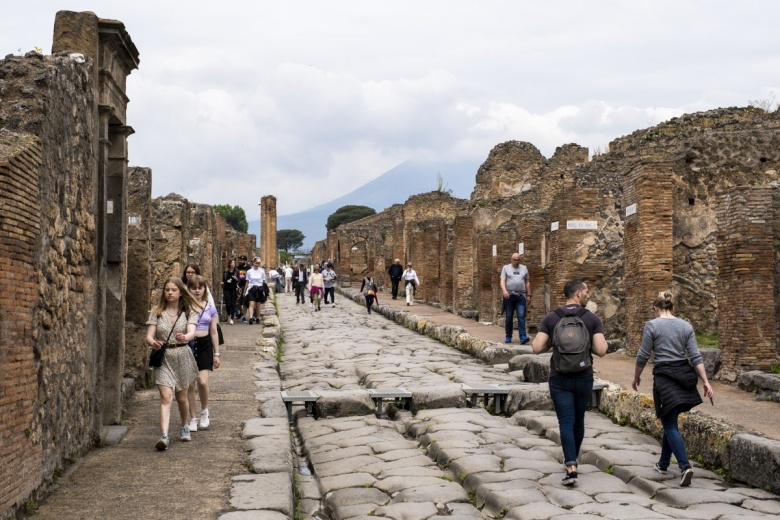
<point x="243" y="318"/>
<point x="659" y="469"/>
<point x="685" y="478"/>
<point x="570" y="479"/>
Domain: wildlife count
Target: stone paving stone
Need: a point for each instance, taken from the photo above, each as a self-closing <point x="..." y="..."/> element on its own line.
<point x="408" y="511"/>
<point x="535" y="511"/>
<point x="389" y="456"/>
<point x="494" y="498"/>
<point x="342" y="467"/>
<point x="684" y="497"/>
<point x="409" y="462"/>
<point x="254" y="515"/>
<point x="566" y="497"/>
<point x="682" y="514"/>
<point x="770" y="507"/>
<point x="520" y="479"/>
<point x="356" y="511"/>
<point x="604" y="459"/>
<point x="440" y="493"/>
<point x="475" y="464"/>
<point x="273" y="457"/>
<point x="392" y="485"/>
<point x="413" y="471"/>
<point x="618" y="510"/>
<point x="261" y="427"/>
<point x="269" y="491"/>
<point x="339" y="454"/>
<point x="355" y="496"/>
<point x="350" y="480"/>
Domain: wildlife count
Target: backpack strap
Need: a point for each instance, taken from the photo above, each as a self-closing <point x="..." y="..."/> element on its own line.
<point x="581" y="312"/>
<point x="559" y="312"/>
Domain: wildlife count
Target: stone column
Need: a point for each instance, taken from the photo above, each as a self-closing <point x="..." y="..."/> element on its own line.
<point x="648" y="244"/>
<point x="746" y="313"/>
<point x="268" y="247"/>
<point x="463" y="266"/>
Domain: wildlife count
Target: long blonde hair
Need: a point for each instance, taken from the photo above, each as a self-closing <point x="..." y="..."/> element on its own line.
<point x="187" y="303"/>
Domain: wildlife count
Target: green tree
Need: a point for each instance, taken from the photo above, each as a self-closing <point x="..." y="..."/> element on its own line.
<point x="287" y="239"/>
<point x="347" y="214"/>
<point x="234" y="215"/>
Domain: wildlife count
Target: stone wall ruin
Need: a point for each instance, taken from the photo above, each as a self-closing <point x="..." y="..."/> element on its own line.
<point x="631" y="222"/>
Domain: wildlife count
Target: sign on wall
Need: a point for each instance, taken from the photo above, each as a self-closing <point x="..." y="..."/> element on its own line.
<point x="631" y="209"/>
<point x="582" y="224"/>
<point x="521" y="248"/>
<point x="134" y="220"/>
<point x="495" y="250"/>
<point x="554" y="226"/>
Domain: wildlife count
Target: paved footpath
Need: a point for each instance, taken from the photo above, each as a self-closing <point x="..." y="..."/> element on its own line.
<point x="447" y="461"/>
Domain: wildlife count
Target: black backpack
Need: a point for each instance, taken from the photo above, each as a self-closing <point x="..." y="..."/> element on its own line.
<point x="571" y="343"/>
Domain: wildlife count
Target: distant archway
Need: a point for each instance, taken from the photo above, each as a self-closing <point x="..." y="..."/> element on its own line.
<point x="358" y="257"/>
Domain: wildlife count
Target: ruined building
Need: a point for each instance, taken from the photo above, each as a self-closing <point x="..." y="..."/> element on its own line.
<point x="75" y="225"/>
<point x="691" y="204"/>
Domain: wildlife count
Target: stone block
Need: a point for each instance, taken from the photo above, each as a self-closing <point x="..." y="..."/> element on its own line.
<point x="266" y="426"/>
<point x="537" y="370"/>
<point x="431" y="397"/>
<point x="755" y="460"/>
<point x="528" y="397"/>
<point x="344" y="403"/>
<point x="711" y="360"/>
<point x="517" y="363"/>
<point x="272" y="491"/>
<point x="408" y="511"/>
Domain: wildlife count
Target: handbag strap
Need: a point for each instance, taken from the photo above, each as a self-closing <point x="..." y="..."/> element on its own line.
<point x="173" y="326"/>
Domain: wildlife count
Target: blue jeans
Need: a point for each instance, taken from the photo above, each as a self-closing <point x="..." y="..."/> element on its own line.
<point x="570" y="396"/>
<point x="515" y="304"/>
<point x="672" y="443"/>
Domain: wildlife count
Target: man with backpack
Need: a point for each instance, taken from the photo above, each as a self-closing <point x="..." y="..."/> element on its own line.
<point x="574" y="334"/>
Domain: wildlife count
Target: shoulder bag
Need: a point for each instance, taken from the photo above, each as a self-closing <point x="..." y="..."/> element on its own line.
<point x="156" y="356"/>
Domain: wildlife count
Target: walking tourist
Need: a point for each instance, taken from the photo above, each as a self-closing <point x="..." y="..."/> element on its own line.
<point x="288" y="274"/>
<point x="317" y="288"/>
<point x="273" y="274"/>
<point x="255" y="290"/>
<point x="411" y="283"/>
<point x="205" y="347"/>
<point x="678" y="366"/>
<point x="300" y="280"/>
<point x="574" y="334"/>
<point x="229" y="287"/>
<point x="329" y="282"/>
<point x="369" y="289"/>
<point x="172" y="323"/>
<point x="191" y="270"/>
<point x="243" y="267"/>
<point x="396" y="273"/>
<point x="516" y="289"/>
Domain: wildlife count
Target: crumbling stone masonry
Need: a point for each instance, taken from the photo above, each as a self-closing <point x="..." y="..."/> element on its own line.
<point x="63" y="156"/>
<point x="268" y="249"/>
<point x="631" y="222"/>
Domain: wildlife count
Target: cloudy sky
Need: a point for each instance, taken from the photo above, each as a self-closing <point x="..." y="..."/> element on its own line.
<point x="307" y="100"/>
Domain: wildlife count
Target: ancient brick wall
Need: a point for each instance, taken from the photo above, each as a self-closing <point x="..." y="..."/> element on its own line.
<point x="203" y="246"/>
<point x="268" y="248"/>
<point x="511" y="168"/>
<point x="648" y="245"/>
<point x="139" y="270"/>
<point x="746" y="322"/>
<point x="463" y="266"/>
<point x="21" y="455"/>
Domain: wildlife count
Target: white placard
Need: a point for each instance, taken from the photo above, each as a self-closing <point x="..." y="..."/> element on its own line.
<point x="495" y="250"/>
<point x="521" y="248"/>
<point x="110" y="207"/>
<point x="631" y="209"/>
<point x="582" y="224"/>
<point x="133" y="220"/>
<point x="554" y="226"/>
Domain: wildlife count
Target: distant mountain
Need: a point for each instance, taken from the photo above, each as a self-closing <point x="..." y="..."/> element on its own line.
<point x="392" y="187"/>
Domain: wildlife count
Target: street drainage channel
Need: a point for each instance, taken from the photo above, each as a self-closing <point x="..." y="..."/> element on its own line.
<point x="304" y="476"/>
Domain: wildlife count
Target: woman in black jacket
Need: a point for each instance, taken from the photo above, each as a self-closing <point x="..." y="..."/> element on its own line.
<point x="678" y="367"/>
<point x="229" y="286"/>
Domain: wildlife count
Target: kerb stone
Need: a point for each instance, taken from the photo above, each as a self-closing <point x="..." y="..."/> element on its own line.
<point x="270" y="491"/>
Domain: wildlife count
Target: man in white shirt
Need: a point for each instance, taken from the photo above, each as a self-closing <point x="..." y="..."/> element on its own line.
<point x="329" y="283"/>
<point x="288" y="273"/>
<point x="516" y="289"/>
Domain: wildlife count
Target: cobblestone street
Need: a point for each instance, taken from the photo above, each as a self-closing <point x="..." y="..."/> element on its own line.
<point x="448" y="460"/>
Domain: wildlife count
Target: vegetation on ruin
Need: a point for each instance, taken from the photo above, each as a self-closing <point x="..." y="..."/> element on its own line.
<point x="768" y="104"/>
<point x="347" y="214"/>
<point x="775" y="369"/>
<point x="708" y="340"/>
<point x="287" y="239"/>
<point x="233" y="215"/>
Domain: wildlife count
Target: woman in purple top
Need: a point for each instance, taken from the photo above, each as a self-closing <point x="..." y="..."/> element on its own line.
<point x="205" y="346"/>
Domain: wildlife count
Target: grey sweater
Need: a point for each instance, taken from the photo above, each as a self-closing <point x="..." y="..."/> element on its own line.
<point x="669" y="338"/>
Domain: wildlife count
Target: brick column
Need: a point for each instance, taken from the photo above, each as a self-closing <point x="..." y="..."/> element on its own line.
<point x="463" y="264"/>
<point x="746" y="314"/>
<point x="488" y="271"/>
<point x="20" y="453"/>
<point x="268" y="247"/>
<point x="648" y="245"/>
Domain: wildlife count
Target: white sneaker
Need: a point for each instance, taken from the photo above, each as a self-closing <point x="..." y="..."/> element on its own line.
<point x="184" y="434"/>
<point x="311" y="305"/>
<point x="193" y="424"/>
<point x="204" y="419"/>
<point x="231" y="321"/>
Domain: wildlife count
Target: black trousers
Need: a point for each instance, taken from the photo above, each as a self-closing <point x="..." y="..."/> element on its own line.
<point x="230" y="302"/>
<point x="300" y="291"/>
<point x="332" y="292"/>
<point x="394" y="289"/>
<point x="369" y="302"/>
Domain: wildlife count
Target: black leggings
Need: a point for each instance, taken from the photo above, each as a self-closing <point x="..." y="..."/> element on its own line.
<point x="230" y="302"/>
<point x="332" y="292"/>
<point x="369" y="301"/>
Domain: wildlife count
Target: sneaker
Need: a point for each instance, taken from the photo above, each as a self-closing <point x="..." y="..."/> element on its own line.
<point x="685" y="478"/>
<point x="184" y="434"/>
<point x="193" y="424"/>
<point x="570" y="479"/>
<point x="407" y="304"/>
<point x="524" y="341"/>
<point x="311" y="305"/>
<point x="243" y="318"/>
<point x="659" y="469"/>
<point x="508" y="339"/>
<point x="204" y="419"/>
<point x="231" y="321"/>
<point x="162" y="443"/>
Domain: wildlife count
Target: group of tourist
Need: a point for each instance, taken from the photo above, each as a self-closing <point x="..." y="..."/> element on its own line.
<point x="184" y="322"/>
<point x="574" y="334"/>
